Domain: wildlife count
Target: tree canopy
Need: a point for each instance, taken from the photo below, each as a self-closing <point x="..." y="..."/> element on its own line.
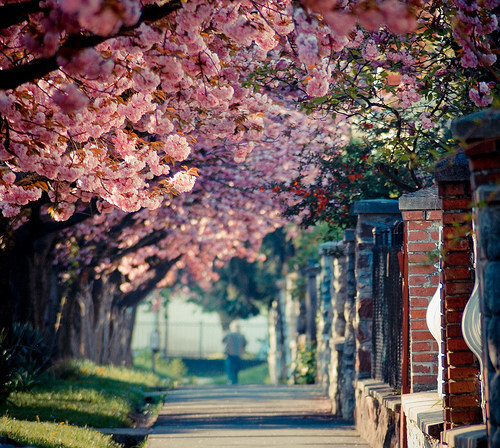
<point x="149" y="138"/>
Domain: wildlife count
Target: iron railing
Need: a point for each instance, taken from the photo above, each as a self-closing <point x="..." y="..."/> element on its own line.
<point x="387" y="330"/>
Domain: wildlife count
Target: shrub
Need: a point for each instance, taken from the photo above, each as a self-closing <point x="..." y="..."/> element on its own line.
<point x="23" y="355"/>
<point x="305" y="365"/>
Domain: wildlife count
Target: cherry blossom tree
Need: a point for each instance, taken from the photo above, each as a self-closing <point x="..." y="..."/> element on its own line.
<point x="101" y="100"/>
<point x="109" y="112"/>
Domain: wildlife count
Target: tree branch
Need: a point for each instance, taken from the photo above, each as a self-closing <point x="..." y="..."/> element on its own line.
<point x="15" y="13"/>
<point x="76" y="218"/>
<point x="135" y="297"/>
<point x="382" y="169"/>
<point x="12" y="78"/>
<point x="148" y="240"/>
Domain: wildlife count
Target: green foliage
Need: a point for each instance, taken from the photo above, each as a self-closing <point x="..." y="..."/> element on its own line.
<point x="244" y="287"/>
<point x="342" y="177"/>
<point x="253" y="375"/>
<point x="170" y="370"/>
<point x="23" y="355"/>
<point x="50" y="435"/>
<point x="85" y="394"/>
<point x="305" y="365"/>
<point x="307" y="241"/>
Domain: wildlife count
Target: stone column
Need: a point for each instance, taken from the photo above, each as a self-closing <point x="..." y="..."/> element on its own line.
<point x="325" y="314"/>
<point x="374" y="213"/>
<point x="347" y="396"/>
<point x="338" y="294"/>
<point x="481" y="132"/>
<point x="274" y="360"/>
<point x="311" y="273"/>
<point x="292" y="310"/>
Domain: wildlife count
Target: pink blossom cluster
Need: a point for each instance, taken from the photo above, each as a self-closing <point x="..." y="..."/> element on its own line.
<point x="481" y="95"/>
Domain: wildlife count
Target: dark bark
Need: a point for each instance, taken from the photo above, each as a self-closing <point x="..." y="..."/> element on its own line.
<point x="148" y="240"/>
<point x="133" y="298"/>
<point x="16" y="13"/>
<point x="385" y="171"/>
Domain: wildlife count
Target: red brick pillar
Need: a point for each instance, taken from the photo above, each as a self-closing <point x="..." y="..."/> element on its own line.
<point x="422" y="215"/>
<point x="462" y="398"/>
<point x="481" y="133"/>
<point x="374" y="213"/>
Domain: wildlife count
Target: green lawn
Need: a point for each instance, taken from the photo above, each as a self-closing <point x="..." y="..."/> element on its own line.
<point x="258" y="374"/>
<point x="170" y="370"/>
<point x="50" y="435"/>
<point x="77" y="394"/>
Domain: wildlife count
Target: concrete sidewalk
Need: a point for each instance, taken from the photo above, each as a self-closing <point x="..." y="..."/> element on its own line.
<point x="250" y="416"/>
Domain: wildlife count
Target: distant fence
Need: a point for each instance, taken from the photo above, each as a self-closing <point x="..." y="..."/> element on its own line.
<point x="197" y="339"/>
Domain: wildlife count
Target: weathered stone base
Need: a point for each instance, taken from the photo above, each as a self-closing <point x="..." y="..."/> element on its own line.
<point x="423" y="412"/>
<point x="417" y="439"/>
<point x="377" y="414"/>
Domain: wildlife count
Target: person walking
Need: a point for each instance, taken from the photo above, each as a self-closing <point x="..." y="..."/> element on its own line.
<point x="234" y="347"/>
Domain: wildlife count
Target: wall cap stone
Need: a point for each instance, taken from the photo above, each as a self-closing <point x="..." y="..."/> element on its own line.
<point x="481" y="125"/>
<point x="473" y="436"/>
<point x="376" y="206"/>
<point x="332" y="248"/>
<point x="425" y="409"/>
<point x="382" y="392"/>
<point x="454" y="168"/>
<point x="426" y="199"/>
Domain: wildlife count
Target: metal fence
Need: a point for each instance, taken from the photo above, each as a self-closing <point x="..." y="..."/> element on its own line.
<point x="387" y="336"/>
<point x="197" y="339"/>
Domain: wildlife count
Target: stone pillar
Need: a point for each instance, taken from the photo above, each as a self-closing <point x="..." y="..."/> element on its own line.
<point x="374" y="213"/>
<point x="311" y="273"/>
<point x="481" y="132"/>
<point x="274" y="355"/>
<point x="325" y="314"/>
<point x="347" y="396"/>
<point x="422" y="216"/>
<point x="462" y="397"/>
<point x="292" y="309"/>
<point x="338" y="287"/>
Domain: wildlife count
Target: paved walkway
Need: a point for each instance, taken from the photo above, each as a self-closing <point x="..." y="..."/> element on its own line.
<point x="250" y="416"/>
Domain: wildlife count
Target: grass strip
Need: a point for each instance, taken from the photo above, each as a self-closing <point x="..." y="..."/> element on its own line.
<point x="75" y="396"/>
<point x="52" y="435"/>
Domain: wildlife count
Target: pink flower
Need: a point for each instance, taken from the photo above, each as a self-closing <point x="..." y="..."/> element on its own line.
<point x="307" y="45"/>
<point x="370" y="51"/>
<point x="340" y="23"/>
<point x="426" y="121"/>
<point x="317" y="86"/>
<point x="63" y="211"/>
<point x="177" y="147"/>
<point x="482" y="95"/>
<point x="469" y="59"/>
<point x="398" y="17"/>
<point x="183" y="182"/>
<point x="371" y="19"/>
<point x="9" y="210"/>
<point x="71" y="100"/>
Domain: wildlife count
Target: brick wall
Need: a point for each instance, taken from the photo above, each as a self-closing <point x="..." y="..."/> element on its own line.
<point x="481" y="132"/>
<point x="422" y="215"/>
<point x="461" y="369"/>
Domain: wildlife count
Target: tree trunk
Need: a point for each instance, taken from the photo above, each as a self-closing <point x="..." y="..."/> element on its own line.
<point x="96" y="327"/>
<point x="29" y="282"/>
<point x="225" y="320"/>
